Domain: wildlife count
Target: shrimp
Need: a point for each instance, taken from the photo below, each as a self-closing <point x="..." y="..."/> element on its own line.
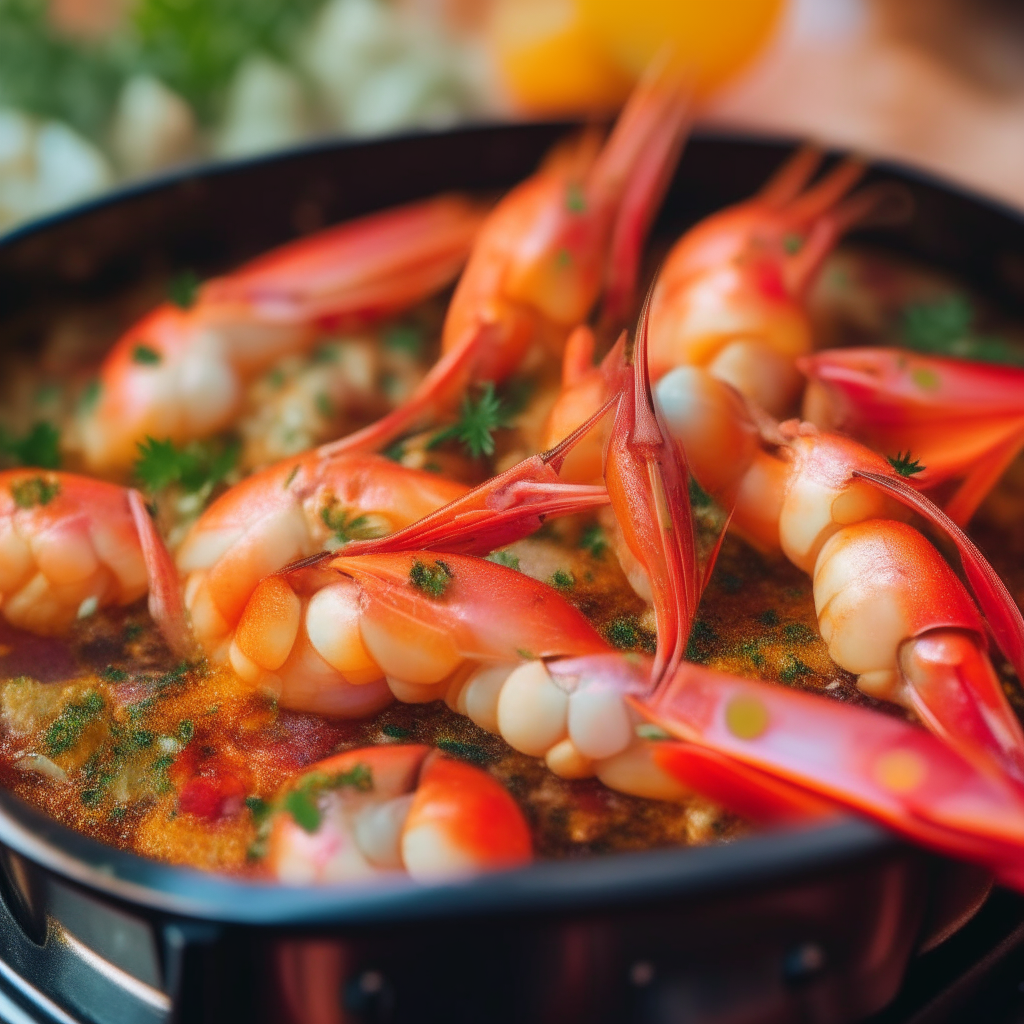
<point x="179" y="372"/>
<point x="730" y="296"/>
<point x="889" y="608"/>
<point x="394" y="809"/>
<point x="70" y="545"/>
<point x="546" y="252"/>
<point x="953" y="422"/>
<point x="285" y="513"/>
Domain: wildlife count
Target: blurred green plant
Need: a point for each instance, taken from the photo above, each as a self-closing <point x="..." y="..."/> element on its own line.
<point x="195" y="46"/>
<point x="49" y="76"/>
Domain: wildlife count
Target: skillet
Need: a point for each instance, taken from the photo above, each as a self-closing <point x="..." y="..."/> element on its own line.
<point x="815" y="925"/>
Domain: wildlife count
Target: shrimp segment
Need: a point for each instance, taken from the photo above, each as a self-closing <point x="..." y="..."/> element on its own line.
<point x="730" y="296"/>
<point x="962" y="421"/>
<point x="383" y="810"/>
<point x="872" y="763"/>
<point x="286" y="513"/>
<point x="882" y="593"/>
<point x="547" y="249"/>
<point x="337" y="636"/>
<point x="179" y="373"/>
<point x="70" y="545"/>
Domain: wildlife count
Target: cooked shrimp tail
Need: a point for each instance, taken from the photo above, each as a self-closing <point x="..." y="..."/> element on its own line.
<point x="963" y="421"/>
<point x="165" y="601"/>
<point x="859" y="759"/>
<point x="501" y="510"/>
<point x="180" y="373"/>
<point x="546" y="251"/>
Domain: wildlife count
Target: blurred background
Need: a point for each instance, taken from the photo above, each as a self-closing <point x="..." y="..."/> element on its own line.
<point x="97" y="92"/>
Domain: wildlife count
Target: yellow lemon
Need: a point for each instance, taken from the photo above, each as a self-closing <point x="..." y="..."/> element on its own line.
<point x="551" y="61"/>
<point x="713" y="41"/>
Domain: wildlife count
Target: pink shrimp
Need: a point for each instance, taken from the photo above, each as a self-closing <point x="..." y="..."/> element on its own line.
<point x="956" y="424"/>
<point x="70" y="545"/>
<point x="548" y="249"/>
<point x="178" y="373"/>
<point x="730" y="296"/>
<point x="889" y="607"/>
<point x="285" y="513"/>
<point x="384" y="810"/>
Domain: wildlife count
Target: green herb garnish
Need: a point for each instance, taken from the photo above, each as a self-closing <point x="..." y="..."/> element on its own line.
<point x="432" y="580"/>
<point x="66" y="730"/>
<point x="478" y="420"/>
<point x="345" y="526"/>
<point x="562" y="580"/>
<point x="183" y="289"/>
<point x="34" y="491"/>
<point x="144" y="355"/>
<point x="197" y="466"/>
<point x="404" y="338"/>
<point x="936" y="325"/>
<point x="39" y="447"/>
<point x="905" y="464"/>
<point x="593" y="540"/>
<point x="504" y="558"/>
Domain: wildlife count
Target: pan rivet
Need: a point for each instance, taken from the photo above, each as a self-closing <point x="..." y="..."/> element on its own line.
<point x="641" y="973"/>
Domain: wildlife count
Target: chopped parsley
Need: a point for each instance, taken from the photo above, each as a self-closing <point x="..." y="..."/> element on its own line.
<point x="302" y="801"/>
<point x="575" y="199"/>
<point x="291" y="476"/>
<point x="324" y="405"/>
<point x="196" y="466"/>
<point x="799" y="633"/>
<point x="504" y="558"/>
<point x="345" y="526"/>
<point x="478" y="419"/>
<point x="145" y="355"/>
<point x="770" y="617"/>
<point x="793" y="669"/>
<point x="628" y="635"/>
<point x="404" y="338"/>
<point x="792" y="243"/>
<point x="471" y="752"/>
<point x="434" y="580"/>
<point x="183" y="289"/>
<point x="68" y="727"/>
<point x="90" y="396"/>
<point x="39" y="447"/>
<point x="395" y="732"/>
<point x="36" y="490"/>
<point x="701" y="641"/>
<point x="562" y="580"/>
<point x="593" y="540"/>
<point x="937" y="325"/>
<point x="905" y="465"/>
<point x="699" y="498"/>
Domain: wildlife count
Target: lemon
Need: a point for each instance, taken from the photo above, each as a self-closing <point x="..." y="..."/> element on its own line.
<point x="550" y="60"/>
<point x="713" y="41"/>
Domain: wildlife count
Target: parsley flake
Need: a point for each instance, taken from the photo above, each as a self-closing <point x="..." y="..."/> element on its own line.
<point x="144" y="355"/>
<point x="345" y="526"/>
<point x="183" y="289"/>
<point x="34" y="491"/>
<point x="792" y="243"/>
<point x="71" y="723"/>
<point x="198" y="465"/>
<point x="433" y="581"/>
<point x="563" y="580"/>
<point x="504" y="558"/>
<point x="478" y="420"/>
<point x="575" y="199"/>
<point x="593" y="540"/>
<point x="904" y="464"/>
<point x="39" y="447"/>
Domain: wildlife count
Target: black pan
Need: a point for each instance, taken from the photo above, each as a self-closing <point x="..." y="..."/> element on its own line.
<point x="817" y="925"/>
